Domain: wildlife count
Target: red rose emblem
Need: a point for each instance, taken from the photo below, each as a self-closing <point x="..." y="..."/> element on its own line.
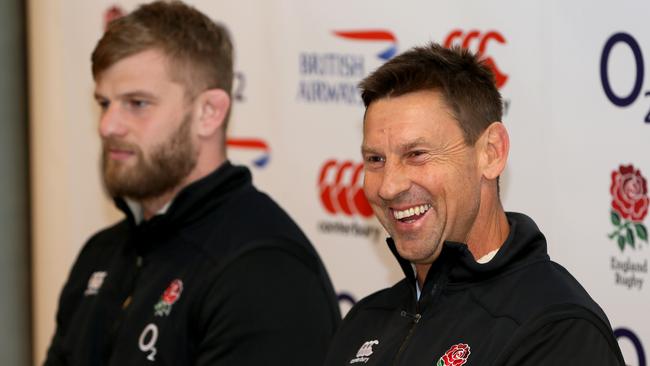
<point x="457" y="355"/>
<point x="629" y="191"/>
<point x="173" y="292"/>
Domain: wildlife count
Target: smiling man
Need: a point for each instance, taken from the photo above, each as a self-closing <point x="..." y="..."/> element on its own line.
<point x="480" y="288"/>
<point x="204" y="269"/>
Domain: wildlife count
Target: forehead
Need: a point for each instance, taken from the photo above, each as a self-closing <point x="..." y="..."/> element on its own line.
<point x="149" y="69"/>
<point x="421" y="115"/>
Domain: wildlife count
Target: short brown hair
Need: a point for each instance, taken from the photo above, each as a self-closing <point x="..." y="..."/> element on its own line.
<point x="199" y="50"/>
<point x="465" y="81"/>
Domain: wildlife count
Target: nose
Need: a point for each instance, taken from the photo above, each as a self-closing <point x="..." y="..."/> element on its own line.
<point x="110" y="122"/>
<point x="394" y="181"/>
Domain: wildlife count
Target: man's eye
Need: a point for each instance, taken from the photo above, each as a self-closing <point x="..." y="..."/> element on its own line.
<point x="416" y="154"/>
<point x="374" y="159"/>
<point x="138" y="103"/>
<point x="103" y="104"/>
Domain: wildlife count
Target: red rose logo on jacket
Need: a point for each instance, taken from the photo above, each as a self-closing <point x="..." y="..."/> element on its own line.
<point x="168" y="298"/>
<point x="456" y="356"/>
<point x="629" y="191"/>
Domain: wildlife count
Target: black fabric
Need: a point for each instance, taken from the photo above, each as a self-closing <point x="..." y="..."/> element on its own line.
<point x="254" y="291"/>
<point x="518" y="309"/>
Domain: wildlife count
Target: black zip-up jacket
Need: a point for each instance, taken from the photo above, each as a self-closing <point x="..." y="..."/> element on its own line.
<point x="224" y="277"/>
<point x="518" y="309"/>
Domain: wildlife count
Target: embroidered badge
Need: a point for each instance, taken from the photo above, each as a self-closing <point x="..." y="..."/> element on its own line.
<point x="95" y="282"/>
<point x="168" y="298"/>
<point x="364" y="353"/>
<point x="456" y="356"/>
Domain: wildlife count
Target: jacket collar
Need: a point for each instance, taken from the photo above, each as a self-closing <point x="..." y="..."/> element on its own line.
<point x="524" y="244"/>
<point x="193" y="201"/>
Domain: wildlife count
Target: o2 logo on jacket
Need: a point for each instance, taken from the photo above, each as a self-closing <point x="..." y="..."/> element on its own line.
<point x="147" y="341"/>
<point x="478" y="42"/>
<point x="631" y="337"/>
<point x="623" y="99"/>
<point x="340" y="186"/>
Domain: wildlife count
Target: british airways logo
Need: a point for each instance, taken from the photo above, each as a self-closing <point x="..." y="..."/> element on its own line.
<point x="379" y="35"/>
<point x="261" y="150"/>
<point x="331" y="77"/>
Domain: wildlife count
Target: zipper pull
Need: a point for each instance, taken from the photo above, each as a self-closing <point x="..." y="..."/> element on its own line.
<point x="414" y="317"/>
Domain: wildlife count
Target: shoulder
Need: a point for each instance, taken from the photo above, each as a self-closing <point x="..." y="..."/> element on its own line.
<point x="564" y="333"/>
<point x="525" y="292"/>
<point x="108" y="238"/>
<point x="245" y="222"/>
<point x="101" y="246"/>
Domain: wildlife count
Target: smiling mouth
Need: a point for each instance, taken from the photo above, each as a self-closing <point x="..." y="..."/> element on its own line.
<point x="411" y="214"/>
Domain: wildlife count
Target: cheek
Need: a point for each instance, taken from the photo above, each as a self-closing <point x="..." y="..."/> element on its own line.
<point x="371" y="182"/>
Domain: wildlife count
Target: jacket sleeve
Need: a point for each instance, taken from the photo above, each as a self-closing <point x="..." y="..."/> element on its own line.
<point x="268" y="307"/>
<point x="68" y="300"/>
<point x="575" y="341"/>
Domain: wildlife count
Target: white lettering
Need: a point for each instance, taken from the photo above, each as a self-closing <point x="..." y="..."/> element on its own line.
<point x="147" y="341"/>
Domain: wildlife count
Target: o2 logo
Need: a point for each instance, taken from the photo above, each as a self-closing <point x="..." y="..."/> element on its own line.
<point x="468" y="40"/>
<point x="147" y="341"/>
<point x="623" y="100"/>
<point x="624" y="333"/>
<point x="239" y="84"/>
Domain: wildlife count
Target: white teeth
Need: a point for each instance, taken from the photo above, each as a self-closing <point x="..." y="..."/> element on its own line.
<point x="412" y="211"/>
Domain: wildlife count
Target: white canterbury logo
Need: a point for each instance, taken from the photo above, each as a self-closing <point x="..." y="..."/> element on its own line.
<point x="363" y="355"/>
<point x="95" y="282"/>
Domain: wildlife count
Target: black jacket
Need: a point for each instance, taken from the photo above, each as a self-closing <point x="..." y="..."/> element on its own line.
<point x="224" y="277"/>
<point x="518" y="309"/>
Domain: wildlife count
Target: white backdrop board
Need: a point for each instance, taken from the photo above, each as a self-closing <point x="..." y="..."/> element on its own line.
<point x="572" y="76"/>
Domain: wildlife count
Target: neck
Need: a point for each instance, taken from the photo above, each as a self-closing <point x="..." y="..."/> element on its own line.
<point x="490" y="229"/>
<point x="203" y="168"/>
<point x="151" y="206"/>
<point x="488" y="232"/>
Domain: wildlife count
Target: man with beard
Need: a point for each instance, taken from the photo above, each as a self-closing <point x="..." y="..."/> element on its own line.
<point x="480" y="288"/>
<point x="204" y="269"/>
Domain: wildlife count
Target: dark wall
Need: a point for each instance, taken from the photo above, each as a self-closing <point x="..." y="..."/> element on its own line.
<point x="15" y="305"/>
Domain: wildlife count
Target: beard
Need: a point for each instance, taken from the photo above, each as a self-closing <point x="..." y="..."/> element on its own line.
<point x="161" y="170"/>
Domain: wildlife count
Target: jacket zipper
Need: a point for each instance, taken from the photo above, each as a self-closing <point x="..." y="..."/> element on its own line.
<point x="124" y="310"/>
<point x="415" y="318"/>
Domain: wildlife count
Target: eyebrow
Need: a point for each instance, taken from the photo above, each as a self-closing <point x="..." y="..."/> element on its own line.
<point x="367" y="150"/>
<point x="129" y="95"/>
<point x="413" y="144"/>
<point x="403" y="147"/>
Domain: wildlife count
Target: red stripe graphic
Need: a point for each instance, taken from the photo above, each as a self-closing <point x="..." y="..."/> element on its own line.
<point x="369" y="35"/>
<point x="250" y="143"/>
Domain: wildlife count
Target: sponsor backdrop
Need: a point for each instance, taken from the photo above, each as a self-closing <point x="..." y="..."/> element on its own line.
<point x="575" y="98"/>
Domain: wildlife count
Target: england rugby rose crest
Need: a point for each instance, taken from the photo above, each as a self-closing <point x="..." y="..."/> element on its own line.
<point x="629" y="191"/>
<point x="456" y="356"/>
<point x="168" y="298"/>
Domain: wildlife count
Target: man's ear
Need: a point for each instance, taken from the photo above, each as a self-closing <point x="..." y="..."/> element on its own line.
<point x="495" y="145"/>
<point x="212" y="108"/>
